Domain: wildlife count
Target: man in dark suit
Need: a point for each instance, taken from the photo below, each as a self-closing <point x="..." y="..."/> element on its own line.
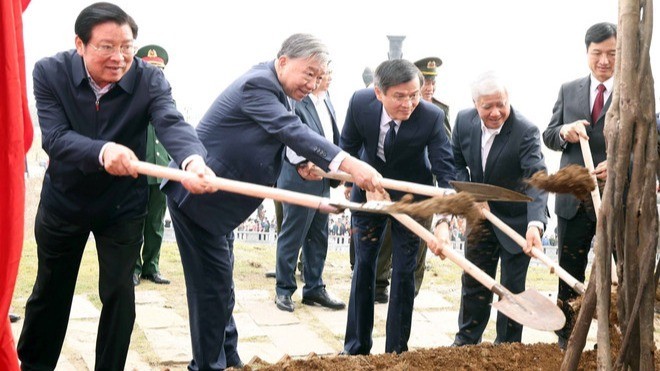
<point x="403" y="138"/>
<point x="494" y="144"/>
<point x="574" y="116"/>
<point x="302" y="226"/>
<point x="245" y="132"/>
<point x="147" y="266"/>
<point x="94" y="104"/>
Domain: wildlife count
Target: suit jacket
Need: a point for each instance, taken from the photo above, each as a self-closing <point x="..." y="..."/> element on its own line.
<point x="573" y="104"/>
<point x="245" y="131"/>
<point x="514" y="156"/>
<point x="289" y="178"/>
<point x="74" y="127"/>
<point x="421" y="149"/>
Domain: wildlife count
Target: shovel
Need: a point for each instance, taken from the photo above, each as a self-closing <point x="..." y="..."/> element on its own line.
<point x="528" y="308"/>
<point x="259" y="191"/>
<point x="517" y="238"/>
<point x="481" y="192"/>
<point x="538" y="254"/>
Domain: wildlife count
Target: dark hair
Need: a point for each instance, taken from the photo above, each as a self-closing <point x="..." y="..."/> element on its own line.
<point x="599" y="33"/>
<point x="98" y="13"/>
<point x="394" y="72"/>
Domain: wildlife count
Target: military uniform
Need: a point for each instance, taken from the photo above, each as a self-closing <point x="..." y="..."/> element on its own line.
<point x="147" y="265"/>
<point x="429" y="67"/>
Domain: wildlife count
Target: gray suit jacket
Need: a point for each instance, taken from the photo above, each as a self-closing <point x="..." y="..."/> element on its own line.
<point x="573" y="104"/>
<point x="289" y="178"/>
<point x="514" y="156"/>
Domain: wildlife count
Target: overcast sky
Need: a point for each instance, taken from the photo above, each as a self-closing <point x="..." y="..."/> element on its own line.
<point x="535" y="45"/>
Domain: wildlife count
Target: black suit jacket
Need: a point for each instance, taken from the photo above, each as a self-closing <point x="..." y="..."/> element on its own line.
<point x="75" y="126"/>
<point x="514" y="156"/>
<point x="573" y="104"/>
<point x="245" y="131"/>
<point x="421" y="149"/>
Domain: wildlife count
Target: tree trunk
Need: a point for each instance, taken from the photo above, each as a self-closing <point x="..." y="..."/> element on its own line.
<point x="628" y="218"/>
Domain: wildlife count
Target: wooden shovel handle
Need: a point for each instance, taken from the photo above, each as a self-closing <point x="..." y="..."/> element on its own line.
<point x="452" y="255"/>
<point x="234" y="186"/>
<point x="595" y="194"/>
<point x="538" y="254"/>
<point x="399" y="185"/>
<point x="589" y="164"/>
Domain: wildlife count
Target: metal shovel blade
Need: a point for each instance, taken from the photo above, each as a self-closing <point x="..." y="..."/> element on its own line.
<point x="530" y="308"/>
<point x="488" y="192"/>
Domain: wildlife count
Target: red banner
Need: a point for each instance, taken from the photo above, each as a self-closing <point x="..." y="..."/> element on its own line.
<point x="15" y="140"/>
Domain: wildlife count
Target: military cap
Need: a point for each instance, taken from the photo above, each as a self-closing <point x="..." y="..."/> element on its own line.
<point x="428" y="66"/>
<point x="153" y="54"/>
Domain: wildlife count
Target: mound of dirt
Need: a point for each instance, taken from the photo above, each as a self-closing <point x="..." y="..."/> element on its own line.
<point x="485" y="356"/>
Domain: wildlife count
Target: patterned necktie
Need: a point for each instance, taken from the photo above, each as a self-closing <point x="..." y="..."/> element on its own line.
<point x="598" y="104"/>
<point x="388" y="145"/>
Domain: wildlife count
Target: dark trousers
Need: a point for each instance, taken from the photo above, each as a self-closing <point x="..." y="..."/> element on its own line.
<point x="384" y="265"/>
<point x="60" y="246"/>
<point x="368" y="231"/>
<point x="207" y="266"/>
<point x="574" y="242"/>
<point x="307" y="228"/>
<point x="153" y="232"/>
<point x="476" y="299"/>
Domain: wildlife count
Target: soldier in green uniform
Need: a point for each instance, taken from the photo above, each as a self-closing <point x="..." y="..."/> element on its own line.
<point x="147" y="265"/>
<point x="429" y="67"/>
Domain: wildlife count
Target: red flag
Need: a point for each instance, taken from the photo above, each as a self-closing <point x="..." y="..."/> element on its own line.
<point x="15" y="140"/>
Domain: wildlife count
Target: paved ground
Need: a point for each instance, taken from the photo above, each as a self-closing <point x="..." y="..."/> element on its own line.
<point x="264" y="330"/>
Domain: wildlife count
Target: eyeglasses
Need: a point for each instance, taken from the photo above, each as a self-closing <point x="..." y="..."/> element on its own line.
<point x="401" y="99"/>
<point x="107" y="50"/>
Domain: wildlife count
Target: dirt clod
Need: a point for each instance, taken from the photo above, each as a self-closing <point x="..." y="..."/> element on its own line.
<point x="573" y="179"/>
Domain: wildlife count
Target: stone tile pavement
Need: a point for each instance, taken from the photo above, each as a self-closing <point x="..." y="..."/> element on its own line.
<point x="264" y="331"/>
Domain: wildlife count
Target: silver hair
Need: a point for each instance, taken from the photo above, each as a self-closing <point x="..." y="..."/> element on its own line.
<point x="304" y="46"/>
<point x="487" y="83"/>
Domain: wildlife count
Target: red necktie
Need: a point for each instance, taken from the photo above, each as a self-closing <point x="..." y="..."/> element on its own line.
<point x="598" y="104"/>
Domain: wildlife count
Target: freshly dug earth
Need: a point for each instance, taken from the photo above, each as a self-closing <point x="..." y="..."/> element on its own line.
<point x="485" y="356"/>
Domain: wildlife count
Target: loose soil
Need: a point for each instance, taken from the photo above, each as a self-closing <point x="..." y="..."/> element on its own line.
<point x="485" y="356"/>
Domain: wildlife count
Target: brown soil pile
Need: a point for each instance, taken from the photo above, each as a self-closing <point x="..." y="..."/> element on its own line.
<point x="485" y="356"/>
<point x="572" y="179"/>
<point x="476" y="357"/>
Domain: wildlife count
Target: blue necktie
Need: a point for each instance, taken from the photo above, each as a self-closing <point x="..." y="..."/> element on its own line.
<point x="388" y="145"/>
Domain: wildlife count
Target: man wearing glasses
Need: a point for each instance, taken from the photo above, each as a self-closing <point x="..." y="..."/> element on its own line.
<point x="94" y="104"/>
<point x="403" y="138"/>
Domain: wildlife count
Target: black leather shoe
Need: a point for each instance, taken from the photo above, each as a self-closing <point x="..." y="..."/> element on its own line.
<point x="136" y="279"/>
<point x="284" y="303"/>
<point x="13" y="318"/>
<point x="238" y="365"/>
<point x="458" y="343"/>
<point x="323" y="299"/>
<point x="156" y="278"/>
<point x="382" y="297"/>
<point x="270" y="274"/>
<point x="562" y="342"/>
